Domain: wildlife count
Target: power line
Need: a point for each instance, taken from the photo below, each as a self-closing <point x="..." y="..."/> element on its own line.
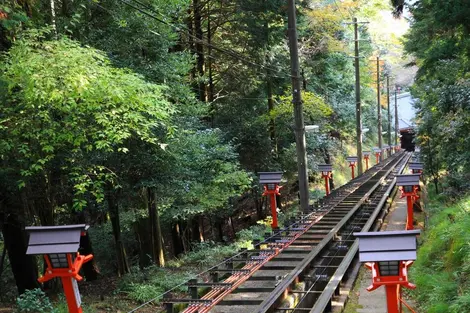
<point x="231" y="53"/>
<point x="239" y="57"/>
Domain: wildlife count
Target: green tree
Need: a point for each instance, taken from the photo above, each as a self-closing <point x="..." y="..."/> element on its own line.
<point x="68" y="118"/>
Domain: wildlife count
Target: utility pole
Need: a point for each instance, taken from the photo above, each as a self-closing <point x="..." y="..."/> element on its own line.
<point x="298" y="109"/>
<point x="358" y="100"/>
<point x="389" y="115"/>
<point x="379" y="109"/>
<point x="396" y="116"/>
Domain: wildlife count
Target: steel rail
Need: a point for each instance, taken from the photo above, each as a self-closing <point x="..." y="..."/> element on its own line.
<point x="338" y="199"/>
<point x="268" y="303"/>
<point x="216" y="295"/>
<point x="345" y="264"/>
<point x="325" y="298"/>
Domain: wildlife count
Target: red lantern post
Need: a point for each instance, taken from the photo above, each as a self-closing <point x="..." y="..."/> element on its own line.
<point x="326" y="170"/>
<point x="409" y="185"/>
<point x="59" y="245"/>
<point x="377" y="152"/>
<point x="366" y="158"/>
<point x="352" y="164"/>
<point x="392" y="284"/>
<point x="271" y="181"/>
<point x="389" y="255"/>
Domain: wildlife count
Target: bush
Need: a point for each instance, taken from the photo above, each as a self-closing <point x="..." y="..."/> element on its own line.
<point x="34" y="301"/>
<point x="151" y="282"/>
<point x="442" y="270"/>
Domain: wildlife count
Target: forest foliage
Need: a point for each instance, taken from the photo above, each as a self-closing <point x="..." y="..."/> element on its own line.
<point x="441" y="47"/>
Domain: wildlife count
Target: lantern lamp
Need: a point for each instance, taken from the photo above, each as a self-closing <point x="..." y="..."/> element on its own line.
<point x="271" y="181"/>
<point x="389" y="268"/>
<point x="59" y="260"/>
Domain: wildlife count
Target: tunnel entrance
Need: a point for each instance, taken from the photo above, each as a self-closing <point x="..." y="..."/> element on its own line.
<point x="407" y="139"/>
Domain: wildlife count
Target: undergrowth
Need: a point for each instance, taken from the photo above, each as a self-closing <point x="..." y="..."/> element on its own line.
<point x="442" y="269"/>
<point x="152" y="282"/>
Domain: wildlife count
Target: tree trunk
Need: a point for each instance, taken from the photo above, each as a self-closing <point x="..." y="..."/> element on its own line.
<point x="183" y="234"/>
<point x="141" y="229"/>
<point x="220" y="231"/>
<point x="269" y="91"/>
<point x="232" y="226"/>
<point x="121" y="257"/>
<point x="197" y="8"/>
<point x="176" y="240"/>
<point x="258" y="204"/>
<point x="189" y="23"/>
<point x="196" y="230"/>
<point x="90" y="269"/>
<point x="2" y="259"/>
<point x="23" y="266"/>
<point x="65" y="8"/>
<point x="53" y="18"/>
<point x="155" y="229"/>
<point x="210" y="88"/>
<point x="304" y="81"/>
<point x="272" y="125"/>
<point x="434" y="172"/>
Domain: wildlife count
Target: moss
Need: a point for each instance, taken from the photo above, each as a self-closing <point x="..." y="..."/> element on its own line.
<point x="353" y="302"/>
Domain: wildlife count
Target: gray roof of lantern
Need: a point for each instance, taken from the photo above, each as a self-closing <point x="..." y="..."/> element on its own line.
<point x="387" y="246"/>
<point x="54" y="239"/>
<point x="270" y="177"/>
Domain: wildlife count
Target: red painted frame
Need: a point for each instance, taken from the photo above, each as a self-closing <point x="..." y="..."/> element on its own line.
<point x="392" y="284"/>
<point x="67" y="275"/>
<point x="272" y="194"/>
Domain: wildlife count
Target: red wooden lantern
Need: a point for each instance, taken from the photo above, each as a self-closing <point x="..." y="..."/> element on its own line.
<point x="388" y="255"/>
<point x="59" y="245"/>
<point x="326" y="170"/>
<point x="416" y="167"/>
<point x="366" y="155"/>
<point x="409" y="185"/>
<point x="271" y="181"/>
<point x="378" y="153"/>
<point x="352" y="164"/>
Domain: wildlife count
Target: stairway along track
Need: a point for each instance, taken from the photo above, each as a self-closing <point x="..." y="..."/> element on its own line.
<point x="299" y="268"/>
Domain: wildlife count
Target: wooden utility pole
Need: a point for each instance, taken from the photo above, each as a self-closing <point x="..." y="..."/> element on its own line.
<point x="358" y="100"/>
<point x="389" y="115"/>
<point x="379" y="109"/>
<point x="396" y="117"/>
<point x="298" y="108"/>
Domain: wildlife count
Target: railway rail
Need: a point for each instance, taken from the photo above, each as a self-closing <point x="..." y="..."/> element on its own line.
<point x="299" y="268"/>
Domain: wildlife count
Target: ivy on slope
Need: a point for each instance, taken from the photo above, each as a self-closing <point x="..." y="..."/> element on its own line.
<point x="442" y="270"/>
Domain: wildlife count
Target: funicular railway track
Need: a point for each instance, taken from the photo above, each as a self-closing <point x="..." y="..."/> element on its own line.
<point x="306" y="261"/>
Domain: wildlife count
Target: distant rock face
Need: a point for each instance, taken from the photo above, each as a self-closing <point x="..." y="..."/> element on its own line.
<point x="405" y="76"/>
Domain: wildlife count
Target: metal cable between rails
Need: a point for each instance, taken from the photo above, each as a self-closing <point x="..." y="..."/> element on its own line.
<point x="353" y="184"/>
<point x="348" y="236"/>
<point x="266" y="305"/>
